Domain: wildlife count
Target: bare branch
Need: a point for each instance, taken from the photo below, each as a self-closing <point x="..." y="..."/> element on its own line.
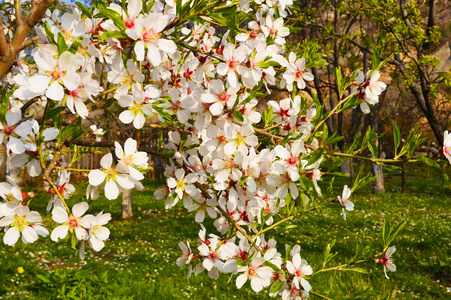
<point x="38" y="8"/>
<point x="4" y="47"/>
<point x="30" y="41"/>
<point x="18" y="12"/>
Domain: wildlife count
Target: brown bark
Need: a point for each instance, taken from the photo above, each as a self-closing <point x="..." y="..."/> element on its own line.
<point x="8" y="56"/>
<point x="126" y="212"/>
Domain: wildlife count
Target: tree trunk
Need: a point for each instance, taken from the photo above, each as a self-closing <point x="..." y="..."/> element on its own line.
<point x="126" y="212"/>
<point x="13" y="173"/>
<point x="379" y="185"/>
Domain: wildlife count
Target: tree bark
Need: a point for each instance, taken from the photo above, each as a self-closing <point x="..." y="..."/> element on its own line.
<point x="379" y="185"/>
<point x="8" y="52"/>
<point x="126" y="212"/>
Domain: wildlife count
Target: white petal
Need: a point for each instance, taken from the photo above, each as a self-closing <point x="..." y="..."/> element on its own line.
<point x="111" y="190"/>
<point x="96" y="177"/>
<point x="79" y="209"/>
<point x="59" y="232"/>
<point x="29" y="235"/>
<point x="11" y="236"/>
<point x="55" y="91"/>
<point x="71" y="81"/>
<point x="50" y="134"/>
<point x="59" y="215"/>
<point x="126" y="116"/>
<point x="106" y="161"/>
<point x="241" y="280"/>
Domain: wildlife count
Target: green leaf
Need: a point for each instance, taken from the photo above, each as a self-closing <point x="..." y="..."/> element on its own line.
<point x="113" y="16"/>
<point x="314" y="156"/>
<point x="6" y="95"/>
<point x="355" y="269"/>
<point x="241" y="262"/>
<point x="396" y="136"/>
<point x="165" y="115"/>
<point x="61" y="43"/>
<point x="85" y="11"/>
<point x="238" y="116"/>
<point x="373" y="149"/>
<point x="75" y="44"/>
<point x="52" y="113"/>
<point x="290" y="226"/>
<point x="385" y="231"/>
<point x="338" y="78"/>
<point x="112" y="35"/>
<point x="277" y="286"/>
<point x="49" y="33"/>
<point x="272" y="266"/>
<point x="435" y="166"/>
<point x="394" y="232"/>
<point x="375" y="60"/>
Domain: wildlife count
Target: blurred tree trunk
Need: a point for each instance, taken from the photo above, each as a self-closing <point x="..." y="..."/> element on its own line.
<point x="126" y="212"/>
<point x="13" y="173"/>
<point x="378" y="185"/>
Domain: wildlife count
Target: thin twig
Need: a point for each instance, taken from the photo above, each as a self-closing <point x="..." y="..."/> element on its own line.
<point x="18" y="12"/>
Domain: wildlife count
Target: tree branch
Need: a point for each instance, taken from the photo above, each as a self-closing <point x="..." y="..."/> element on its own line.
<point x="18" y="11"/>
<point x="4" y="47"/>
<point x="38" y="8"/>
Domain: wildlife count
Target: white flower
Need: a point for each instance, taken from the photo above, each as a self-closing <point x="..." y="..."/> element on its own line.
<point x="387" y="261"/>
<point x="344" y="200"/>
<point x="370" y="89"/>
<point x="70" y="222"/>
<point x="98" y="132"/>
<point x="137" y="106"/>
<point x="97" y="232"/>
<point x="12" y="195"/>
<point x="296" y="73"/>
<point x="187" y="254"/>
<point x="300" y="268"/>
<point x="232" y="65"/>
<point x="55" y="73"/>
<point x="447" y="145"/>
<point x="147" y="32"/>
<point x="114" y="181"/>
<point x="24" y="222"/>
<point x="259" y="275"/>
<point x="130" y="160"/>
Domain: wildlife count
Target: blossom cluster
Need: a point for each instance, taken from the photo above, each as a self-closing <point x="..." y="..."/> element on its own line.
<point x="243" y="167"/>
<point x="260" y="263"/>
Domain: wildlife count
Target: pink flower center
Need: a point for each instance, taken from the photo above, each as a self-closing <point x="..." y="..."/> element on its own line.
<point x="292" y="161"/>
<point x="150" y="36"/>
<point x="129" y="23"/>
<point x="299" y="74"/>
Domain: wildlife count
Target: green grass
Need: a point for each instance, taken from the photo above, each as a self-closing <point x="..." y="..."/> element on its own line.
<point x="138" y="261"/>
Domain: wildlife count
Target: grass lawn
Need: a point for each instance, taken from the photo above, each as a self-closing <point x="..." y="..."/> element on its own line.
<point x="138" y="261"/>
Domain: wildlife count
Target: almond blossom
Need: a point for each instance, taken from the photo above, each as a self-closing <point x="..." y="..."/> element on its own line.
<point x="115" y="182"/>
<point x="55" y="75"/>
<point x="387" y="261"/>
<point x="147" y="32"/>
<point x="23" y="223"/>
<point x="370" y="88"/>
<point x="344" y="200"/>
<point x="71" y="223"/>
<point x="447" y="145"/>
<point x="299" y="268"/>
<point x="98" y="233"/>
<point x="137" y="105"/>
<point x="259" y="275"/>
<point x="296" y="73"/>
